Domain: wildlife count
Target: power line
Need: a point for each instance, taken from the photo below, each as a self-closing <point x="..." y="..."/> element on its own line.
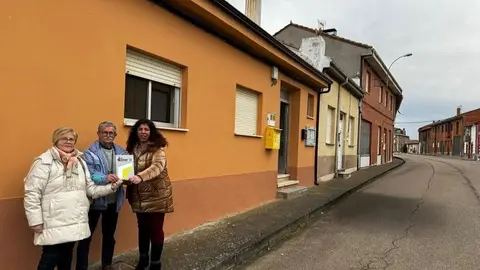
<point x="415" y="122"/>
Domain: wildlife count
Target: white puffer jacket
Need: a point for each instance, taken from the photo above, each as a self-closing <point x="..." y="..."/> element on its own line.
<point x="58" y="202"/>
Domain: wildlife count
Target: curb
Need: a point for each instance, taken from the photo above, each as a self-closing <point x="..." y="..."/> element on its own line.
<point x="269" y="242"/>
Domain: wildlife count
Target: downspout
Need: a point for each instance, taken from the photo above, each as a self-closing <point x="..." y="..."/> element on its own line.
<point x="335" y="166"/>
<point x="317" y="126"/>
<point x="360" y="115"/>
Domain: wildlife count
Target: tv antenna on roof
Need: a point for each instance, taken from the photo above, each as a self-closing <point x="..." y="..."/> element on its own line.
<point x="321" y="24"/>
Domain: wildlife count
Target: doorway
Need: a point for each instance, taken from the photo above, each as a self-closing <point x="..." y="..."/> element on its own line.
<point x="340" y="142"/>
<point x="283" y="151"/>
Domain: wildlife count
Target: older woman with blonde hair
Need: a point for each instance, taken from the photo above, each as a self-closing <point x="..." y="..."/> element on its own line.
<point x="56" y="200"/>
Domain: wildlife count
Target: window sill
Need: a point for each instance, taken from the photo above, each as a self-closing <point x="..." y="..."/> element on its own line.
<point x="251" y="136"/>
<point x="131" y="122"/>
<point x="310" y="117"/>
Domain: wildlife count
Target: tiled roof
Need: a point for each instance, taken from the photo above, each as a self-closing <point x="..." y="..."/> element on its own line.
<point x="448" y="119"/>
<point x="316" y="31"/>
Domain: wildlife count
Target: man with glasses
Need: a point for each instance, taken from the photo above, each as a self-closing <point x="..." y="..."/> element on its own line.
<point x="100" y="158"/>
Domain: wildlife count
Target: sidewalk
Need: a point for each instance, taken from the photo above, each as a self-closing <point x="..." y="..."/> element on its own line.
<point x="444" y="156"/>
<point x="237" y="239"/>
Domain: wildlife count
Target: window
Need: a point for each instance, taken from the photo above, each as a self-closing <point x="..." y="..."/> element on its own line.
<point x="246" y="112"/>
<point x="330" y="125"/>
<point x="379" y="136"/>
<point x="351" y="131"/>
<point x="152" y="90"/>
<point x="385" y="98"/>
<point x="310" y="105"/>
<point x="380" y="95"/>
<point x="367" y="83"/>
<point x="391" y="103"/>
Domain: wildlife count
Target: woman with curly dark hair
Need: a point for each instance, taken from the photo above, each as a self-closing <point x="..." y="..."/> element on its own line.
<point x="150" y="191"/>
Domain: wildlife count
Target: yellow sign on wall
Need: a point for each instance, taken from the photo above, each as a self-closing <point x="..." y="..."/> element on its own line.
<point x="272" y="138"/>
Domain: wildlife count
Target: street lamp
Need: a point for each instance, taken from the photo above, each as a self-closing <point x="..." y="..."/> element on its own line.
<point x="405" y="55"/>
<point x="388" y="79"/>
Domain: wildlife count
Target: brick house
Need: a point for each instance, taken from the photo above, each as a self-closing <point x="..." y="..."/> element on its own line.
<point x="448" y="136"/>
<point x="382" y="94"/>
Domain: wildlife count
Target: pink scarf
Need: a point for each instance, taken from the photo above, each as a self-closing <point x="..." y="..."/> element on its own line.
<point x="68" y="159"/>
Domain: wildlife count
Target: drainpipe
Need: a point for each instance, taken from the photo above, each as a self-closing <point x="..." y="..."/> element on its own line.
<point x="360" y="113"/>
<point x="335" y="167"/>
<point x="317" y="126"/>
<point x="360" y="116"/>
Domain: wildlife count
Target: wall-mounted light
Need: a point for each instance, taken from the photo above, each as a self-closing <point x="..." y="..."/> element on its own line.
<point x="274" y="77"/>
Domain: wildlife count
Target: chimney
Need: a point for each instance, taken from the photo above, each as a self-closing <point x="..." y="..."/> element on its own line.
<point x="253" y="10"/>
<point x="459" y="110"/>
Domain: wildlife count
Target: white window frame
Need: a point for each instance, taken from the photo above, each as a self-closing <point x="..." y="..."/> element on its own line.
<point x="310" y="106"/>
<point x="254" y="128"/>
<point x="351" y="130"/>
<point x="177" y="93"/>
<point x="379" y="134"/>
<point x="330" y="126"/>
<point x="367" y="82"/>
<point x="380" y="95"/>
<point x="176" y="104"/>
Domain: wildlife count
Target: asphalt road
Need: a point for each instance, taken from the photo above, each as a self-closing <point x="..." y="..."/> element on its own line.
<point x="424" y="215"/>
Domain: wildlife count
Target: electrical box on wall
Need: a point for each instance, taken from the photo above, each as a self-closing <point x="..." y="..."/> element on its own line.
<point x="272" y="138"/>
<point x="308" y="136"/>
<point x="271" y="119"/>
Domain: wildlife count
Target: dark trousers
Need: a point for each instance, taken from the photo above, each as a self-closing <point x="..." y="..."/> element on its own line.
<point x="109" y="225"/>
<point x="59" y="256"/>
<point x="150" y="231"/>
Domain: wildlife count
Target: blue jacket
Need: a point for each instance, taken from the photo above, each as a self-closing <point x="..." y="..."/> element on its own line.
<point x="97" y="165"/>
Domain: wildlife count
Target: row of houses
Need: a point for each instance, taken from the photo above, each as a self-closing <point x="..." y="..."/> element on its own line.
<point x="454" y="136"/>
<point x="246" y="113"/>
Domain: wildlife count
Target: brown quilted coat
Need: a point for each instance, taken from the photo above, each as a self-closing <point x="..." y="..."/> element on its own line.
<point x="154" y="194"/>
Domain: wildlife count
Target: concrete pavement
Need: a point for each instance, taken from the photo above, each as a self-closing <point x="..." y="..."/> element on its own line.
<point x="424" y="215"/>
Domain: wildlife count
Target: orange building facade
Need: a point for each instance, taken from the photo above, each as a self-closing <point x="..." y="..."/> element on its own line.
<point x="192" y="66"/>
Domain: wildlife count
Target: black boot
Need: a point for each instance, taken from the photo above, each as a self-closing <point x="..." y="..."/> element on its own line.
<point x="142" y="262"/>
<point x="155" y="260"/>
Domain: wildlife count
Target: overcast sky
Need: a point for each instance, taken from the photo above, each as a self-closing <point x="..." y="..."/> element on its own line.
<point x="443" y="37"/>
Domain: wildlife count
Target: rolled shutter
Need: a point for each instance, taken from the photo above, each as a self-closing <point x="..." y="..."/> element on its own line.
<point x="151" y="68"/>
<point x="246" y="112"/>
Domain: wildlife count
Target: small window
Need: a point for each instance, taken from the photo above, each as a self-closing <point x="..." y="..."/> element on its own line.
<point x="367" y="83"/>
<point x="152" y="90"/>
<point x="310" y="105"/>
<point x="379" y="136"/>
<point x="351" y="131"/>
<point x="391" y="103"/>
<point x="246" y="112"/>
<point x="380" y="95"/>
<point x="330" y="130"/>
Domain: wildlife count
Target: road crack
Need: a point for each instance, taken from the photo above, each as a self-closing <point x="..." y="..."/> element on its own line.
<point x="381" y="262"/>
